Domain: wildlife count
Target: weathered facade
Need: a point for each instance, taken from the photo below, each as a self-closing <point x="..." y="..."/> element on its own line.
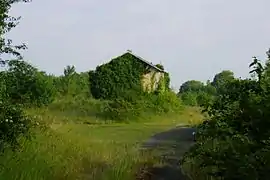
<point x="154" y="76"/>
<point x="152" y="79"/>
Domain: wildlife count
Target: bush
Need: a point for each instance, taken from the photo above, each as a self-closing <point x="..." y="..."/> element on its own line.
<point x="189" y="98"/>
<point x="72" y="84"/>
<point x="138" y="107"/>
<point x="235" y="143"/>
<point x="78" y="106"/>
<point x="13" y="124"/>
<point x="25" y="85"/>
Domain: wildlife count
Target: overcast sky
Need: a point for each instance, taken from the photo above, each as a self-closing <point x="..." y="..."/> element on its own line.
<point x="194" y="39"/>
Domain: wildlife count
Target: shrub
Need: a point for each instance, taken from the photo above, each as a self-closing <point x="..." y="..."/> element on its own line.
<point x="13" y="124"/>
<point x="26" y="85"/>
<point x="72" y="84"/>
<point x="139" y="107"/>
<point x="235" y="144"/>
<point x="189" y="98"/>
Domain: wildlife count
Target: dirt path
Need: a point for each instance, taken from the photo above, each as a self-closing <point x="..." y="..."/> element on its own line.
<point x="170" y="146"/>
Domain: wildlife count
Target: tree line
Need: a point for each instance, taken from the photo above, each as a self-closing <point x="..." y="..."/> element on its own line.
<point x="197" y="93"/>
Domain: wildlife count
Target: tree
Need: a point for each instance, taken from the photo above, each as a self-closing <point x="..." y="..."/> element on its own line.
<point x="196" y="93"/>
<point x="267" y="64"/>
<point x="72" y="83"/>
<point x="26" y="85"/>
<point x="69" y="71"/>
<point x="221" y="79"/>
<point x="6" y="24"/>
<point x="189" y="98"/>
<point x="209" y="89"/>
<point x="191" y="86"/>
<point x="204" y="98"/>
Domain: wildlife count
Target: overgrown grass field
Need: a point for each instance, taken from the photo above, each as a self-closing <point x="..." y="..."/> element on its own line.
<point x="75" y="145"/>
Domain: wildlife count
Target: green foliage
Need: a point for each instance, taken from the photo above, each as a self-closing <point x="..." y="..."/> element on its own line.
<point x="191" y="86"/>
<point x="234" y="143"/>
<point x="189" y="98"/>
<point x="13" y="124"/>
<point x="195" y="93"/>
<point x="111" y="80"/>
<point x="120" y="81"/>
<point x="164" y="84"/>
<point x="132" y="107"/>
<point x="166" y="102"/>
<point x="12" y="121"/>
<point x="160" y="66"/>
<point x="72" y="83"/>
<point x="204" y="98"/>
<point x="6" y="24"/>
<point x="167" y="81"/>
<point x="209" y="89"/>
<point x="221" y="79"/>
<point x="78" y="109"/>
<point x="26" y="85"/>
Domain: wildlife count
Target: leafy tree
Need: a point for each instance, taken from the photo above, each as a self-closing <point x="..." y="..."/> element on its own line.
<point x="6" y="24"/>
<point x="69" y="73"/>
<point x="191" y="86"/>
<point x="72" y="83"/>
<point x="26" y="85"/>
<point x="209" y="88"/>
<point x="189" y="98"/>
<point x="195" y="93"/>
<point x="222" y="78"/>
<point x="266" y="71"/>
<point x="204" y="98"/>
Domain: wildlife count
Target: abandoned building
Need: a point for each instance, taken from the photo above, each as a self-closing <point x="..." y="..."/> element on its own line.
<point x="150" y="80"/>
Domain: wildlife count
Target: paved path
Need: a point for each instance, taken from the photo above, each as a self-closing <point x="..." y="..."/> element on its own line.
<point x="170" y="145"/>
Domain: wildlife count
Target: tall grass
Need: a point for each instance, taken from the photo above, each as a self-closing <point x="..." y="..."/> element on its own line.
<point x="69" y="148"/>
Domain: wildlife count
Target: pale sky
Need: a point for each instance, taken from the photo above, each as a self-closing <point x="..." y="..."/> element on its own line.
<point x="194" y="39"/>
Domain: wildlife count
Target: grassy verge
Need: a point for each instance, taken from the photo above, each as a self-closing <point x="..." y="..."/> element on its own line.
<point x="71" y="149"/>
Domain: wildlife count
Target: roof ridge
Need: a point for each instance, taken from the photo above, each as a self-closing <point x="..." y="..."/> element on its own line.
<point x="145" y="61"/>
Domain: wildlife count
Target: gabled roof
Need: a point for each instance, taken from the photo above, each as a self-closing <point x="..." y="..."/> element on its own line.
<point x="144" y="61"/>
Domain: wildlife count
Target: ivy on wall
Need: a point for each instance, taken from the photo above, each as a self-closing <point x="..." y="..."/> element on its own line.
<point x="164" y="83"/>
<point x="167" y="80"/>
<point x="121" y="76"/>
